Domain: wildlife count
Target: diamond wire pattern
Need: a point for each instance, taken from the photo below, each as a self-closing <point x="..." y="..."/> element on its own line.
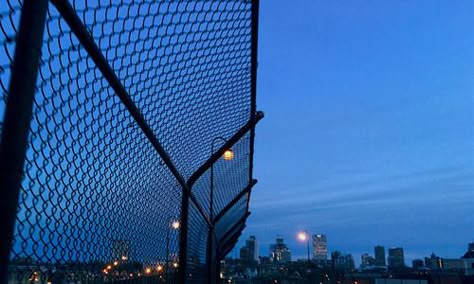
<point x="96" y="202"/>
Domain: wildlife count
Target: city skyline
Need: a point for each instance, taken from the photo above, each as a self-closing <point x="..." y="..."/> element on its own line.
<point x="264" y="250"/>
<point x="369" y="125"/>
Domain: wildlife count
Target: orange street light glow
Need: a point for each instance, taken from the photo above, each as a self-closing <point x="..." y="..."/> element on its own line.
<point x="228" y="155"/>
<point x="159" y="268"/>
<point x="115" y="263"/>
<point x="148" y="270"/>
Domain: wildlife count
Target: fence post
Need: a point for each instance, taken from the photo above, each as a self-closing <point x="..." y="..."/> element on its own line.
<point x="16" y="123"/>
<point x="183" y="237"/>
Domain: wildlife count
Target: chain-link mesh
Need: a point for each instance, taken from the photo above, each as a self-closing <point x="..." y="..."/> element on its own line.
<point x="97" y="202"/>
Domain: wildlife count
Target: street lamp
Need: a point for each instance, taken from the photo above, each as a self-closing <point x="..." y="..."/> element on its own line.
<point x="227" y="155"/>
<point x="169" y="225"/>
<point x="304" y="236"/>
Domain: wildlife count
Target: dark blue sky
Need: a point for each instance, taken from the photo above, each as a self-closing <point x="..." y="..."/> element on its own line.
<point x="369" y="128"/>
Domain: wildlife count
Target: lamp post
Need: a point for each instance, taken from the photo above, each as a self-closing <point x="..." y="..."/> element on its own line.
<point x="227" y="155"/>
<point x="304" y="236"/>
<point x="169" y="225"/>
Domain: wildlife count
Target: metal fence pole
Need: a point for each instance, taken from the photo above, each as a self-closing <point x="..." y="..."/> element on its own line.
<point x="183" y="237"/>
<point x="17" y="119"/>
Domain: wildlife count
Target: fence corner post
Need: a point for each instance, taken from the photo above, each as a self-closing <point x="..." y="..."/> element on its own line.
<point x="17" y="118"/>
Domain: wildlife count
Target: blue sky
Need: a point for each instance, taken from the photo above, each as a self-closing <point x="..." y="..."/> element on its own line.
<point x="369" y="128"/>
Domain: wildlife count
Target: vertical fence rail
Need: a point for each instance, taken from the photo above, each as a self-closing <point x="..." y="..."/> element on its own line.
<point x="16" y="121"/>
<point x="111" y="143"/>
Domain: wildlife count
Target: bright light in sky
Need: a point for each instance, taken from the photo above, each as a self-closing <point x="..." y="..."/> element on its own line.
<point x="302" y="236"/>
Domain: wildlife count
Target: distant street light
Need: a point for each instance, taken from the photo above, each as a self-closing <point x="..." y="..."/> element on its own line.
<point x="169" y="225"/>
<point x="175" y="225"/>
<point x="304" y="236"/>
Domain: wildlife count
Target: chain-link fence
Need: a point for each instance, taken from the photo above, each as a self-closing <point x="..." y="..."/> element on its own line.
<point x="116" y="115"/>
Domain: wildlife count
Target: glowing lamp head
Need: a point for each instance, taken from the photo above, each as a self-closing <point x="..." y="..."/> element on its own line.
<point x="228" y="155"/>
<point x="175" y="225"/>
<point x="148" y="270"/>
<point x="159" y="268"/>
<point x="302" y="236"/>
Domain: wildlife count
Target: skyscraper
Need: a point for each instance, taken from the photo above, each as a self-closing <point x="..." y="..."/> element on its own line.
<point x="279" y="252"/>
<point x="342" y="262"/>
<point x="367" y="260"/>
<point x="249" y="252"/>
<point x="396" y="258"/>
<point x="252" y="245"/>
<point x="320" y="247"/>
<point x="379" y="252"/>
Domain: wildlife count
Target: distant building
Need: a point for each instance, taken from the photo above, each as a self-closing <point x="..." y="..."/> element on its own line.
<point x="469" y="260"/>
<point x="280" y="252"/>
<point x="252" y="244"/>
<point x="470" y="247"/>
<point x="320" y="247"/>
<point x="396" y="258"/>
<point x="244" y="253"/>
<point x="379" y="252"/>
<point x="458" y="265"/>
<point x="418" y="264"/>
<point x="342" y="262"/>
<point x="470" y="251"/>
<point x="121" y="250"/>
<point x="433" y="262"/>
<point x="367" y="260"/>
<point x="249" y="252"/>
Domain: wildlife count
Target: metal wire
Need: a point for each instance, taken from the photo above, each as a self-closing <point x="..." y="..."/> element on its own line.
<point x="97" y="203"/>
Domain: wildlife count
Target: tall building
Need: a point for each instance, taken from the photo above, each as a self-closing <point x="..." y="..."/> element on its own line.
<point x="433" y="262"/>
<point x="367" y="260"/>
<point x="418" y="264"/>
<point x="320" y="247"/>
<point x="379" y="252"/>
<point x="252" y="244"/>
<point x="396" y="258"/>
<point x="470" y="252"/>
<point x="280" y="252"/>
<point x="244" y="253"/>
<point x="249" y="252"/>
<point x="342" y="262"/>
